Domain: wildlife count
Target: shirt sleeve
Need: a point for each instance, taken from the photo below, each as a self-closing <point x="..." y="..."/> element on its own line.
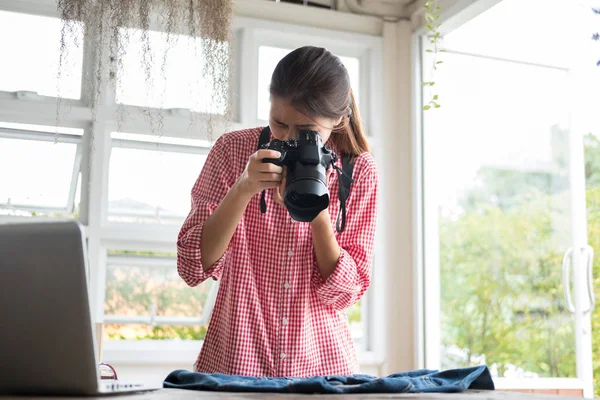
<point x="352" y="274"/>
<point x="210" y="188"/>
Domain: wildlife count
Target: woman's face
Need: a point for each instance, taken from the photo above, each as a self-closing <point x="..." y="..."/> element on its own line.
<point x="285" y="121"/>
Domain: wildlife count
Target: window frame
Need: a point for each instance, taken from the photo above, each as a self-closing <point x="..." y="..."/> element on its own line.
<point x="41" y="136"/>
<point x="95" y="146"/>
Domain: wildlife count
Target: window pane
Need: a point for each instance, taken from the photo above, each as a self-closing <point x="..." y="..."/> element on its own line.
<point x="30" y="58"/>
<point x="554" y="43"/>
<point x="181" y="84"/>
<point x="150" y="185"/>
<point x="139" y="285"/>
<point x="37" y="175"/>
<point x="498" y="215"/>
<point x="268" y="57"/>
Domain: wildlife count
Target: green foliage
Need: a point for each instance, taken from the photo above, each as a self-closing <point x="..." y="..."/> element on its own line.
<point x="432" y="16"/>
<point x="133" y="290"/>
<point x="501" y="290"/>
<point x="353" y="313"/>
<point x="500" y="261"/>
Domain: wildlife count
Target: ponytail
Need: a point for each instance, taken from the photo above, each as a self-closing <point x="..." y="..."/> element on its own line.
<point x="349" y="137"/>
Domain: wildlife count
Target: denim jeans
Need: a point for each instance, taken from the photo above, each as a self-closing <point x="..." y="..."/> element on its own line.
<point x="416" y="381"/>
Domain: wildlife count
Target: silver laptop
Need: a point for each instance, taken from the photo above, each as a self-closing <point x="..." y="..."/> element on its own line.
<point x="46" y="336"/>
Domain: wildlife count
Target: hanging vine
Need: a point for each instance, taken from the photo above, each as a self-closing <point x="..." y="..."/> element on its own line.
<point x="112" y="25"/>
<point x="432" y="16"/>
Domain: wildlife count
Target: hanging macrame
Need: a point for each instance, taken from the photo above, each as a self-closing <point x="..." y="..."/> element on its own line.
<point x="111" y="26"/>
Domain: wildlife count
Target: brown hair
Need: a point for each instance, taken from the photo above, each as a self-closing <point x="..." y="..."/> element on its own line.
<point x="316" y="83"/>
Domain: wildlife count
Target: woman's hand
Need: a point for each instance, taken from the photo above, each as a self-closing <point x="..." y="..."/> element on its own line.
<point x="259" y="175"/>
<point x="280" y="190"/>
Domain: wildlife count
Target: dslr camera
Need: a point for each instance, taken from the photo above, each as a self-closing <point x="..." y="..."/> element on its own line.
<point x="307" y="160"/>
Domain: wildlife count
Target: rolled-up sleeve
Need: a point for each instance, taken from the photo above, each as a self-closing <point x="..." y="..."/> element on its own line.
<point x="211" y="186"/>
<point x="352" y="274"/>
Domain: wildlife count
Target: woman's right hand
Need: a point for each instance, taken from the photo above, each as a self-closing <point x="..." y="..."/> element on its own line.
<point x="260" y="175"/>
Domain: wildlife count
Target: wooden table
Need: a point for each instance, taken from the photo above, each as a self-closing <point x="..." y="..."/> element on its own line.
<point x="179" y="394"/>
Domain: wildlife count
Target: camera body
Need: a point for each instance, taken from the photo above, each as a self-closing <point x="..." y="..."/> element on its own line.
<point x="307" y="160"/>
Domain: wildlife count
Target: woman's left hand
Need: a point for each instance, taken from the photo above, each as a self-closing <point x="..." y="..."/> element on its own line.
<point x="279" y="190"/>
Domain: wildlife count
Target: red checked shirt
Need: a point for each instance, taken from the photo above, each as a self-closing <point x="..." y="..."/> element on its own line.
<point x="274" y="314"/>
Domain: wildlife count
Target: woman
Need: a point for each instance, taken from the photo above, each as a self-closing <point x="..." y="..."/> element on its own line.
<point x="284" y="285"/>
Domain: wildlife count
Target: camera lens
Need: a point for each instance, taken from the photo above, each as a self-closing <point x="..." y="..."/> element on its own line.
<point x="306" y="198"/>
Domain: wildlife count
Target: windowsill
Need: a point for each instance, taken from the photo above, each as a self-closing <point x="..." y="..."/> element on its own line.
<point x="178" y="352"/>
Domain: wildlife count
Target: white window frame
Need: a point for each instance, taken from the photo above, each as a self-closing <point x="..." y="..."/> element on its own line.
<point x="25" y="134"/>
<point x="250" y="33"/>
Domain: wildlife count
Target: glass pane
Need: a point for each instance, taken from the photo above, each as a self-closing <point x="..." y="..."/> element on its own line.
<point x="41" y="179"/>
<point x="151" y="186"/>
<point x="590" y="95"/>
<point x="498" y="215"/>
<point x="174" y="67"/>
<point x="30" y="58"/>
<point x="549" y="40"/>
<point x="139" y="285"/>
<point x="268" y="57"/>
<point x="356" y="326"/>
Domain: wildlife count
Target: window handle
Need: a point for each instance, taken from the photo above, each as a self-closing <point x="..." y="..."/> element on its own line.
<point x="589" y="251"/>
<point x="566" y="279"/>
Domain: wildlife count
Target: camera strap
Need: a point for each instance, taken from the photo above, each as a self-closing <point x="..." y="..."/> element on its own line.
<point x="344" y="181"/>
<point x="264" y="138"/>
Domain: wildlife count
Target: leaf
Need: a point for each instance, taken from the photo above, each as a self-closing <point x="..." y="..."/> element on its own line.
<point x="437" y="105"/>
<point x="426" y="107"/>
<point x="429" y="51"/>
<point x="439" y="62"/>
<point x="435" y="97"/>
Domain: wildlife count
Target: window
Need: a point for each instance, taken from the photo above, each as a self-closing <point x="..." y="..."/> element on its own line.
<point x="30" y="58"/>
<point x="41" y="168"/>
<point x="497" y="187"/>
<point x="501" y="199"/>
<point x="146" y="299"/>
<point x="175" y="73"/>
<point x="152" y="182"/>
<point x="269" y="56"/>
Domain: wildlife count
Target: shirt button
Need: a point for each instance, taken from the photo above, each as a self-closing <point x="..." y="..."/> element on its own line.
<point x="287" y="285"/>
<point x="284" y="321"/>
<point x="282" y="355"/>
<point x="290" y="253"/>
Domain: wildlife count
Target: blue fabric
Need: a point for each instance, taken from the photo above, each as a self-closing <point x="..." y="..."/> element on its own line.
<point x="417" y="381"/>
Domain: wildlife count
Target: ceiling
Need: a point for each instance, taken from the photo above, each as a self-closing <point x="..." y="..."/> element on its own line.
<point x="380" y="8"/>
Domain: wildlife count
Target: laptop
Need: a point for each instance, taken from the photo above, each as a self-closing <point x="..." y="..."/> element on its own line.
<point x="47" y="342"/>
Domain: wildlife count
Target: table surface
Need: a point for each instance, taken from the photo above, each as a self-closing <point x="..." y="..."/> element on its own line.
<point x="179" y="394"/>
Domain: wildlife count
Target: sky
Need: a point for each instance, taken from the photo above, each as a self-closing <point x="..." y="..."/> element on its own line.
<point x="499" y="113"/>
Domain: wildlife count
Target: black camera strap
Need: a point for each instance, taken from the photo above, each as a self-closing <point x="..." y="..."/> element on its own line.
<point x="265" y="137"/>
<point x="344" y="179"/>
